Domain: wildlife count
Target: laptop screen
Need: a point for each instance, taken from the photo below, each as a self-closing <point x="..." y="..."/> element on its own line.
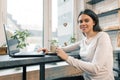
<point x="11" y="43"/>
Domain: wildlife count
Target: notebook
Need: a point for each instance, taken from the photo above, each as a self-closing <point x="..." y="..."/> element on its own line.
<point x="13" y="51"/>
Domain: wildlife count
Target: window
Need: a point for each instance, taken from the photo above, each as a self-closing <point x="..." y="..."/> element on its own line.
<point x="27" y="14"/>
<point x="62" y="21"/>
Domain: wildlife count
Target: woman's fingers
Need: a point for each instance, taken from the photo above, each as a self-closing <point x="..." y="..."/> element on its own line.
<point x="39" y="50"/>
<point x="61" y="53"/>
<point x="57" y="50"/>
<point x="42" y="49"/>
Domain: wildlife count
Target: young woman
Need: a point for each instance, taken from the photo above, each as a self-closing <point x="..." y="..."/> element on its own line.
<point x="96" y="50"/>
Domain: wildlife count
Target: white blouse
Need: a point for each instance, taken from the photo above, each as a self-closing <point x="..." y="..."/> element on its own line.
<point x="96" y="61"/>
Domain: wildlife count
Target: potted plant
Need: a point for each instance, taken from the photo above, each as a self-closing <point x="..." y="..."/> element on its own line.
<point x="53" y="45"/>
<point x="72" y="39"/>
<point x="21" y="36"/>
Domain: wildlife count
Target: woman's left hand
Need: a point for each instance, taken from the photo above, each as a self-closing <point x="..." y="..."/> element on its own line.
<point x="61" y="53"/>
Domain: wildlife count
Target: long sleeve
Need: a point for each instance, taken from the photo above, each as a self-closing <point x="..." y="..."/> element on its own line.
<point x="97" y="62"/>
<point x="72" y="47"/>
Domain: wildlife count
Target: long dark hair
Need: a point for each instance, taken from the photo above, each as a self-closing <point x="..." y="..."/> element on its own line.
<point x="94" y="16"/>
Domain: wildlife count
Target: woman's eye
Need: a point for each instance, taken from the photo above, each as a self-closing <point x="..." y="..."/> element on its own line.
<point x="86" y="20"/>
<point x="80" y="21"/>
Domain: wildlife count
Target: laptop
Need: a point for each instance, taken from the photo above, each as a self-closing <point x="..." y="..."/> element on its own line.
<point x="13" y="51"/>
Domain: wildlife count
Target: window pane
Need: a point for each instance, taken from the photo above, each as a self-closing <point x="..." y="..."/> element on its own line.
<point x="27" y="14"/>
<point x="62" y="21"/>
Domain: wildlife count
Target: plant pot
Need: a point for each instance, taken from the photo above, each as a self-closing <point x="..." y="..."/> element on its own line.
<point x="53" y="48"/>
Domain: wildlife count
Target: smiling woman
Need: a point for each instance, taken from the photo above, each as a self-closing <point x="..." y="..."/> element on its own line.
<point x="94" y="48"/>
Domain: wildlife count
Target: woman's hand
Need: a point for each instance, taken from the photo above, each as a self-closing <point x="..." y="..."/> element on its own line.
<point x="61" y="53"/>
<point x="43" y="49"/>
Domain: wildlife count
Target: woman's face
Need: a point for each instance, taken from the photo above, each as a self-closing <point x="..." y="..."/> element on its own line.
<point x="86" y="23"/>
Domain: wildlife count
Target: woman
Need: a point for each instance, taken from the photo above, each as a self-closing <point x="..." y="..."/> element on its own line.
<point x="96" y="50"/>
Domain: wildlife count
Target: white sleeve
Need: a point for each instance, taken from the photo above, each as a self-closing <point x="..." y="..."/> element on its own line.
<point x="72" y="47"/>
<point x="103" y="50"/>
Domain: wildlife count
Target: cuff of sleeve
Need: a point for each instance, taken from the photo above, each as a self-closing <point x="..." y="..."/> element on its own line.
<point x="69" y="59"/>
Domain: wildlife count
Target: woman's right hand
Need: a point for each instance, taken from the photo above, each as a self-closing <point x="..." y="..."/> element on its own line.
<point x="43" y="49"/>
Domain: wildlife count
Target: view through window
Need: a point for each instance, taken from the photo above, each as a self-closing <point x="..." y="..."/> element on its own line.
<point x="62" y="21"/>
<point x="27" y="15"/>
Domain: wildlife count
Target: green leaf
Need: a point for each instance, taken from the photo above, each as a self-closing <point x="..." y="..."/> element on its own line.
<point x="21" y="36"/>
